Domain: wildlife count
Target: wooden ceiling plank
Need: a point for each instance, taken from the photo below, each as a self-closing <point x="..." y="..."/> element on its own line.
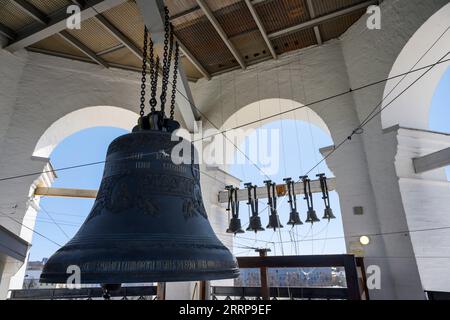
<point x="83" y="48"/>
<point x="57" y="23"/>
<point x="315" y="22"/>
<point x="209" y="14"/>
<point x="31" y="10"/>
<point x="261" y="28"/>
<point x="312" y="14"/>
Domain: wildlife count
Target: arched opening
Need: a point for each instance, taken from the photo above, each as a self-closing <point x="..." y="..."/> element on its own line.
<point x="429" y="45"/>
<point x="90" y="117"/>
<point x="80" y="137"/>
<point x="292" y="141"/>
<point x="286" y="146"/>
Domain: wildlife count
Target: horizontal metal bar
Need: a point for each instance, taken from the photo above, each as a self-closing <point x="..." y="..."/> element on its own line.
<point x="261" y="192"/>
<point x="60" y="294"/>
<point x="432" y="161"/>
<point x="293" y="261"/>
<point x="281" y="292"/>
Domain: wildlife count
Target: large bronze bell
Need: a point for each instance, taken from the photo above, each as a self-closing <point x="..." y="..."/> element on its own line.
<point x="148" y="223"/>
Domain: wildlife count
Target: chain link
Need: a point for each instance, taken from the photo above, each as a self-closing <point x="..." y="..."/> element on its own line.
<point x="174" y="81"/>
<point x="166" y="59"/>
<point x="144" y="72"/>
<point x="153" y="101"/>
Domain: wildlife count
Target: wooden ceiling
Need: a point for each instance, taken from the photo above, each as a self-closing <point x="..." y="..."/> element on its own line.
<point x="216" y="35"/>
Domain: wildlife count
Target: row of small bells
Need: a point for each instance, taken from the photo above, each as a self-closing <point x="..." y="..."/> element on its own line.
<point x="148" y="223"/>
<point x="255" y="224"/>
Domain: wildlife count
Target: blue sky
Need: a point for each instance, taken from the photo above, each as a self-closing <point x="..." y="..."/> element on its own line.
<point x="90" y="146"/>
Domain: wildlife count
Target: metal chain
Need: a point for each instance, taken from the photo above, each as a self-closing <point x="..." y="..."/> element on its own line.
<point x="166" y="61"/>
<point x="153" y="101"/>
<point x="144" y="72"/>
<point x="174" y="81"/>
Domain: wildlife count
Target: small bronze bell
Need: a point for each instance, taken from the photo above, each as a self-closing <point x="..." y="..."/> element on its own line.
<point x="328" y="213"/>
<point x="311" y="215"/>
<point x="255" y="221"/>
<point x="274" y="219"/>
<point x="235" y="226"/>
<point x="294" y="217"/>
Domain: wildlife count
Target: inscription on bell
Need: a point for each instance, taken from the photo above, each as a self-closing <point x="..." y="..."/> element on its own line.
<point x="175" y="168"/>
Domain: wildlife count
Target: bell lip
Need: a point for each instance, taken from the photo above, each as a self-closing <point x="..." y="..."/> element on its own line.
<point x="328" y="214"/>
<point x="235" y="232"/>
<point x="99" y="278"/>
<point x="255" y="229"/>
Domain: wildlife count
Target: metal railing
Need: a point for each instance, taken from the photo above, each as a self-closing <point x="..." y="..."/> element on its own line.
<point x="137" y="293"/>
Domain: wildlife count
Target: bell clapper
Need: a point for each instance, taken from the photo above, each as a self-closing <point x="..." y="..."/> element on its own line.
<point x="108" y="288"/>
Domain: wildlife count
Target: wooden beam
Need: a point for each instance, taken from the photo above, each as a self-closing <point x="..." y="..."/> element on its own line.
<point x="198" y="8"/>
<point x="116" y="33"/>
<point x="432" y="161"/>
<point x="193" y="60"/>
<point x="261" y="28"/>
<point x="312" y="14"/>
<point x="315" y="22"/>
<point x="83" y="48"/>
<point x="7" y="32"/>
<point x="209" y="14"/>
<point x="30" y="10"/>
<point x="65" y="193"/>
<point x="261" y="192"/>
<point x="311" y="261"/>
<point x="57" y="23"/>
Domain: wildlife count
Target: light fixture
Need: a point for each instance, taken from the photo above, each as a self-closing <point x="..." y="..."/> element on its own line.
<point x="364" y="240"/>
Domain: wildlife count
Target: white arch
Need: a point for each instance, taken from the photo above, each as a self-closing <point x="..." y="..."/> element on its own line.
<point x="412" y="108"/>
<point x="98" y="116"/>
<point x="266" y="109"/>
